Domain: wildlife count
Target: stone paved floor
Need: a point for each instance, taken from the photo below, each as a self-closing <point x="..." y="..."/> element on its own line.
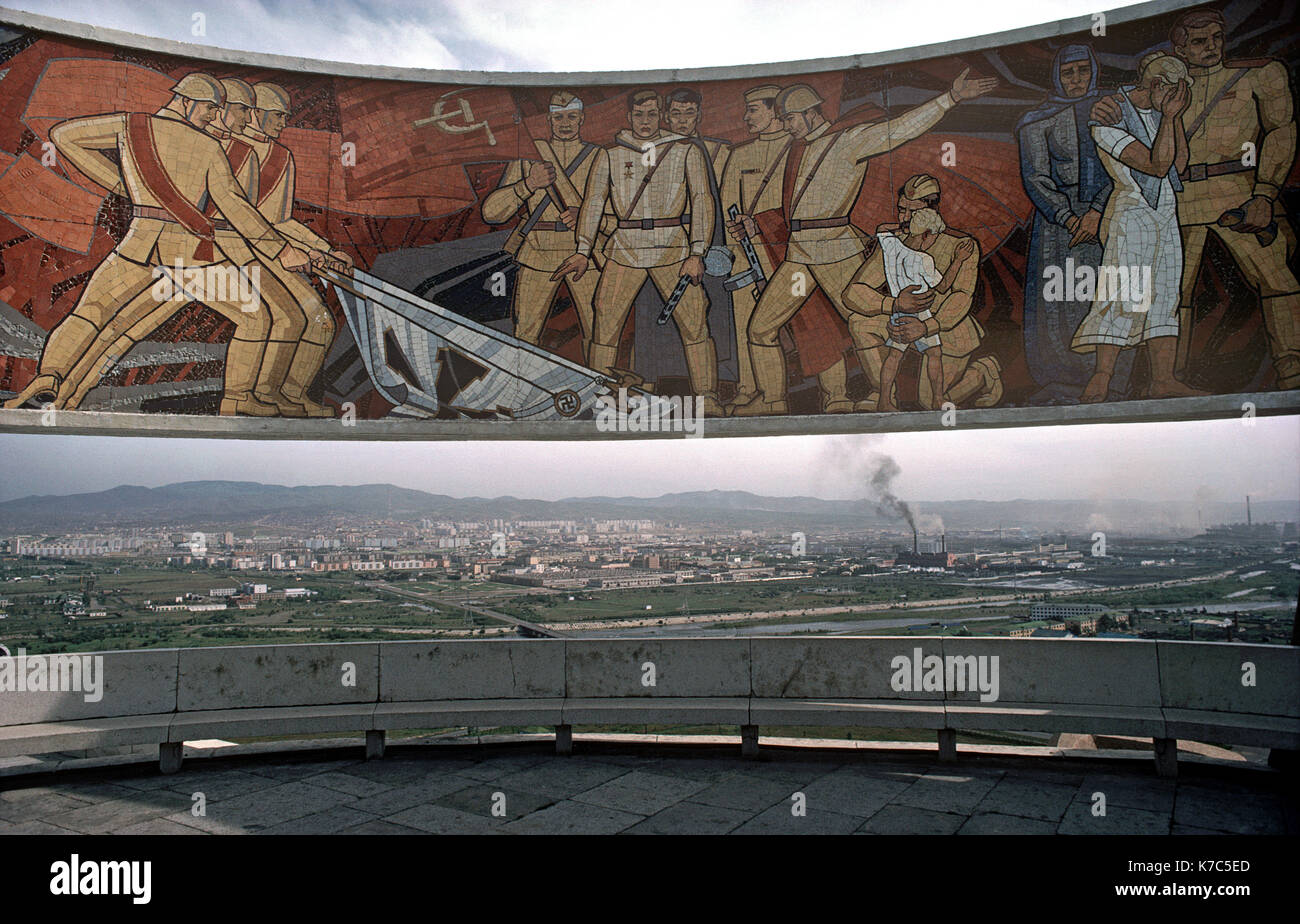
<point x="646" y="791"/>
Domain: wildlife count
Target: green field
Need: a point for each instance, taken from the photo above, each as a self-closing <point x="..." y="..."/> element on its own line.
<point x="348" y="606"/>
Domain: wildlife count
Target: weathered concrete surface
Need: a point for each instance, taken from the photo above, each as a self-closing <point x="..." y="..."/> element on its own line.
<point x="132" y="683"/>
<point x="541" y="710"/>
<point x="105" y="423"/>
<point x="440" y="789"/>
<point x="852" y="668"/>
<point x="707" y="667"/>
<point x="1229" y="677"/>
<point x="1153" y="690"/>
<point x="245" y="677"/>
<point x="487" y="669"/>
<point x="1092" y="672"/>
<point x="79" y="734"/>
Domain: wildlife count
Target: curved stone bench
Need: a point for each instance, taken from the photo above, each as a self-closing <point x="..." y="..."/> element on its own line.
<point x="1218" y="692"/>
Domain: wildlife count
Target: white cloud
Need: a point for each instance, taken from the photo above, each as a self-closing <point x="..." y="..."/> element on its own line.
<point x="562" y="35"/>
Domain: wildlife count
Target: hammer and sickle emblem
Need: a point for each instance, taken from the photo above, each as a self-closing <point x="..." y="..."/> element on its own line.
<point x="442" y="119"/>
<point x="567" y="403"/>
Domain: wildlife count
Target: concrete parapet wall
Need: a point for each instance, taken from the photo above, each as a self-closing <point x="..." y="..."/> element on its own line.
<point x="1159" y="689"/>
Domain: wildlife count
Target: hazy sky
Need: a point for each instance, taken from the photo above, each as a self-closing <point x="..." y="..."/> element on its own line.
<point x="1224" y="459"/>
<point x="1169" y="461"/>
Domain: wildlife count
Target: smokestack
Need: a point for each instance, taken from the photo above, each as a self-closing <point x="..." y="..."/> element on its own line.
<point x="943" y="543"/>
<point x="1247" y="509"/>
<point x="915" y="548"/>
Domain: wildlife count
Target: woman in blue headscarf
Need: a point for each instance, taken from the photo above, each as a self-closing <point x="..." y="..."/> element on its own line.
<point x="1069" y="188"/>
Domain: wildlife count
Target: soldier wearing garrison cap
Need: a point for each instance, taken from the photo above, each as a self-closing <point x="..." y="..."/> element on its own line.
<point x="751" y="182"/>
<point x="545" y="194"/>
<point x="821" y="183"/>
<point x="171" y="170"/>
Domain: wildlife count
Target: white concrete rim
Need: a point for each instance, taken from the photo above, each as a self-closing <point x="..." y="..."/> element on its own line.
<point x="1076" y="24"/>
<point x="1242" y="407"/>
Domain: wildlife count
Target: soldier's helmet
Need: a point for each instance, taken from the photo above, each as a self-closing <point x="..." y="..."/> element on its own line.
<point x="203" y="88"/>
<point x="238" y="91"/>
<point x="272" y="97"/>
<point x="798" y="98"/>
<point x="921" y="187"/>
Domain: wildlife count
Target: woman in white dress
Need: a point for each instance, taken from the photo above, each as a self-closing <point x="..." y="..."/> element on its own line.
<point x="1136" y="296"/>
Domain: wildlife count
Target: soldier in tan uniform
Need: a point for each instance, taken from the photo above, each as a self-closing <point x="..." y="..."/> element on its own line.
<point x="751" y="182"/>
<point x="822" y="180"/>
<point x="1225" y="193"/>
<point x="945" y="314"/>
<point x="685" y="108"/>
<point x="228" y="123"/>
<point x="658" y="188"/>
<point x="1256" y="107"/>
<point x="304" y="325"/>
<point x="170" y="169"/>
<point x="546" y="194"/>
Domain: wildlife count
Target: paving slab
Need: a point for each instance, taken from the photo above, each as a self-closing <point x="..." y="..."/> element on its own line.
<point x="348" y="782"/>
<point x="852" y="791"/>
<point x="1137" y="790"/>
<point x="494" y="768"/>
<point x="106" y="817"/>
<point x="574" y="818"/>
<point x="949" y="790"/>
<point x="742" y="791"/>
<point x="428" y="792"/>
<point x="1029" y="799"/>
<point x="908" y="819"/>
<point x="1119" y="819"/>
<point x="380" y="827"/>
<point x="400" y="798"/>
<point x="439" y="819"/>
<point x="263" y="809"/>
<point x="20" y="805"/>
<point x="482" y="798"/>
<point x="997" y="823"/>
<point x="33" y="827"/>
<point x="330" y="821"/>
<point x="562" y="777"/>
<point x="158" y="826"/>
<point x="692" y="818"/>
<point x="641" y="792"/>
<point x="779" y="819"/>
<point x="1232" y="812"/>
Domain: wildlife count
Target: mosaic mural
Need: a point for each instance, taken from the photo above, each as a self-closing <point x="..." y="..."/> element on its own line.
<point x="1095" y="217"/>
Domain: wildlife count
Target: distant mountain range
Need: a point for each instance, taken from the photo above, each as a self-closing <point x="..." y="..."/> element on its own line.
<point x="235" y="504"/>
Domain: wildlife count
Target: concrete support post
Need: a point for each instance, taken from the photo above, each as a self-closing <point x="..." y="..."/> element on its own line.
<point x="375" y="744"/>
<point x="749" y="741"/>
<point x="564" y="740"/>
<point x="1166" y="756"/>
<point x="947" y="745"/>
<point x="170" y="757"/>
